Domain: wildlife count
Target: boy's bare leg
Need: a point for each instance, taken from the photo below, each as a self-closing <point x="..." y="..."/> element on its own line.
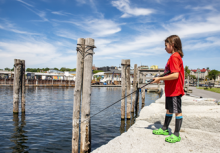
<point x="168" y="112"/>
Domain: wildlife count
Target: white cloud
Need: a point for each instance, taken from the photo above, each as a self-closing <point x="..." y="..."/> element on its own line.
<point x="81" y="1"/>
<point x="8" y="26"/>
<point x="198" y="8"/>
<point x="152" y="42"/>
<point x="124" y="6"/>
<point x="176" y="18"/>
<point x="25" y="3"/>
<point x="193" y="45"/>
<point x="61" y="13"/>
<point x="41" y="14"/>
<point x="193" y="26"/>
<point x="96" y="27"/>
<point x="101" y="27"/>
<point x="66" y="34"/>
<point x="35" y="53"/>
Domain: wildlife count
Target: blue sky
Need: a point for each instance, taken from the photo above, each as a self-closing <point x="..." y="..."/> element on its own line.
<point x="44" y="32"/>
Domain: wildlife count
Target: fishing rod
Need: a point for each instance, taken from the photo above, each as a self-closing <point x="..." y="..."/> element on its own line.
<point x="130" y="94"/>
<point x="122" y="98"/>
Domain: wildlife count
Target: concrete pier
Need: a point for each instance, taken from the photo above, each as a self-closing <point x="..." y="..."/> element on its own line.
<point x="200" y="130"/>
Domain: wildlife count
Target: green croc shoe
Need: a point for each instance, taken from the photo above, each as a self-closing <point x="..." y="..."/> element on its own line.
<point x="172" y="139"/>
<point x="161" y="132"/>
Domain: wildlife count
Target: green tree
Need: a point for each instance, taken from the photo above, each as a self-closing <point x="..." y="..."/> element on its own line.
<point x="192" y="76"/>
<point x="96" y="71"/>
<point x="73" y="69"/>
<point x="187" y="71"/>
<point x="213" y="74"/>
<point x="7" y="69"/>
<point x="56" y="68"/>
<point x="46" y="69"/>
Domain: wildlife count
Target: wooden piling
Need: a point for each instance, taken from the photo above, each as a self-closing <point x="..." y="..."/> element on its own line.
<point x="187" y="84"/>
<point x="143" y="91"/>
<point x="77" y="94"/>
<point x="137" y="100"/>
<point x="23" y="88"/>
<point x="123" y="87"/>
<point x="134" y="88"/>
<point x="17" y="84"/>
<point x="85" y="145"/>
<point x="128" y="84"/>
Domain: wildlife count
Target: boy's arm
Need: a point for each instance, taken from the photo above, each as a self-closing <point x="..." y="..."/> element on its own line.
<point x="172" y="76"/>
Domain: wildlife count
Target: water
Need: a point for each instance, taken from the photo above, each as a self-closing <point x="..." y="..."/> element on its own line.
<point x="47" y="124"/>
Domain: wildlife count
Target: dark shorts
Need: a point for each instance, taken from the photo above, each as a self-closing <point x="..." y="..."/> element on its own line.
<point x="173" y="104"/>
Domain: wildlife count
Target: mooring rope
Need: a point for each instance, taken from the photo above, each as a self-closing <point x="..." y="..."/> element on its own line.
<point x="125" y="96"/>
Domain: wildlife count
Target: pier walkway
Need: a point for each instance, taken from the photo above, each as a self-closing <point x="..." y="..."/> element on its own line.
<point x="204" y="93"/>
<point x="200" y="130"/>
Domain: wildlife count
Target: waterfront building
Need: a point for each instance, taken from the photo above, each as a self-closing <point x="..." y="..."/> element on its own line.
<point x="202" y="75"/>
<point x="107" y="68"/>
<point x="144" y="67"/>
<point x="98" y="75"/>
<point x="49" y="75"/>
<point x="154" y="67"/>
<point x="115" y="75"/>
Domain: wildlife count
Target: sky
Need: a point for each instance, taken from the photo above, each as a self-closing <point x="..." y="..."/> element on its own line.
<point x="44" y="33"/>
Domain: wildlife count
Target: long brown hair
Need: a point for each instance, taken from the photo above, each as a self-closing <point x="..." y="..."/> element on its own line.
<point x="175" y="41"/>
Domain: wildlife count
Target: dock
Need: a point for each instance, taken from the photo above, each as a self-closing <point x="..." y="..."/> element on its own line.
<point x="200" y="130"/>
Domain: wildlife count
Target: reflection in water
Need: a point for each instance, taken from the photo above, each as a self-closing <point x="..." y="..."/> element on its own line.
<point x="122" y="127"/>
<point x="129" y="123"/>
<point x="132" y="118"/>
<point x="47" y="126"/>
<point x="18" y="137"/>
<point x="143" y="104"/>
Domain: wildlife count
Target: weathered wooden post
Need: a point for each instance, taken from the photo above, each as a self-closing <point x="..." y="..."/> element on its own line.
<point x="123" y="87"/>
<point x="85" y="145"/>
<point x="143" y="90"/>
<point x="77" y="94"/>
<point x="137" y="100"/>
<point x="23" y="89"/>
<point x="187" y="84"/>
<point x="17" y="84"/>
<point x="134" y="88"/>
<point x="128" y="89"/>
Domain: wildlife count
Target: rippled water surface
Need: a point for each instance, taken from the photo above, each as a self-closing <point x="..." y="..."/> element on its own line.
<point x="47" y="124"/>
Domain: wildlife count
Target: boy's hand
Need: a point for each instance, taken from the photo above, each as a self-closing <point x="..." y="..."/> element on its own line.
<point x="156" y="80"/>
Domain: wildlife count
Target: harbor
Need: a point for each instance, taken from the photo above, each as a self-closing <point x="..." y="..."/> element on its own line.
<point x="46" y="125"/>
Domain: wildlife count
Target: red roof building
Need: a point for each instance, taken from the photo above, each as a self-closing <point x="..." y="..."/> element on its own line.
<point x="202" y="75"/>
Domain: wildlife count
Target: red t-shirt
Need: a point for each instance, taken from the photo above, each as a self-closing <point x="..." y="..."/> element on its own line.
<point x="175" y="87"/>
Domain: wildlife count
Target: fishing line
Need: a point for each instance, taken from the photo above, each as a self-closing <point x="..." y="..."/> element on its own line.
<point x="126" y="96"/>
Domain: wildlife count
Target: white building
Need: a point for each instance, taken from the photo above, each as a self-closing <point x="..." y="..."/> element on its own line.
<point x="202" y="74"/>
